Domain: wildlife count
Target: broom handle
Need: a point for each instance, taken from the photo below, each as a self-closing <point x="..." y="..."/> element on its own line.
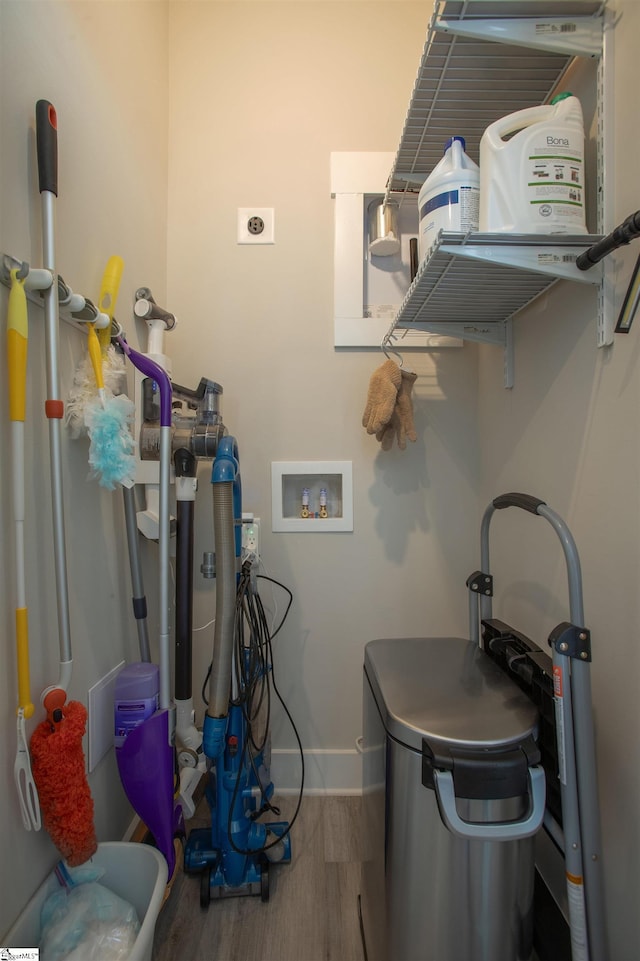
<point x="109" y="296"/>
<point x="17" y="345"/>
<point x="47" y="148"/>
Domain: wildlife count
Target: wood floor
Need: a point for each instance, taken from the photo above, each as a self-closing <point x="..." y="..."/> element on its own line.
<point x="312" y="912"/>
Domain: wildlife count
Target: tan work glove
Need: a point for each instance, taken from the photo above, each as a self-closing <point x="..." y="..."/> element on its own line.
<point x="401" y="424"/>
<point x="381" y="399"/>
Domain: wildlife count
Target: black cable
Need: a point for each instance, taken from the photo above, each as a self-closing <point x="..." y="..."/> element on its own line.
<point x="284" y="588"/>
<point x="253" y="673"/>
<point x="283" y="619"/>
<point x="255" y="680"/>
<point x="204" y="684"/>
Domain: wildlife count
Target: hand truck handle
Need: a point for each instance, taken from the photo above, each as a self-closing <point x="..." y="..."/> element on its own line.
<point x="526" y="501"/>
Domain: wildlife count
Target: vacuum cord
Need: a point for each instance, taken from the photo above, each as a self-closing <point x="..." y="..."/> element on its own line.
<point x="253" y="654"/>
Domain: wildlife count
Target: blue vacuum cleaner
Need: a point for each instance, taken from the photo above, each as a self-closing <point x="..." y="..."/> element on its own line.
<point x="234" y="855"/>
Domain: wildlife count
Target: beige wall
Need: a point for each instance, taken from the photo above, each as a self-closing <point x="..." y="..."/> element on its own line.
<point x="217" y="105"/>
<point x="567" y="433"/>
<point x="261" y="94"/>
<point x="110" y="90"/>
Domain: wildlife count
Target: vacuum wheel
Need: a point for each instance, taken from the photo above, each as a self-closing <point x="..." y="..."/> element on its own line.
<point x="205" y="888"/>
<point x="264" y="879"/>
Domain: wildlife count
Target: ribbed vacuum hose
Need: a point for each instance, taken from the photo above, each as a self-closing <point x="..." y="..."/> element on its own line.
<point x="220" y="683"/>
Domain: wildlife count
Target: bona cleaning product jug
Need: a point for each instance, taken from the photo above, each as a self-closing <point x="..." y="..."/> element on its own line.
<point x="449" y="198"/>
<point x="533" y="182"/>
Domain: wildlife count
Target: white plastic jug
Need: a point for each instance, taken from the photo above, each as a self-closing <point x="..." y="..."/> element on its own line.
<point x="533" y="182"/>
<point x="450" y="196"/>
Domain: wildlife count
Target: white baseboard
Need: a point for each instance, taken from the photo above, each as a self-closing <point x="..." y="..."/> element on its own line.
<point x="325" y="771"/>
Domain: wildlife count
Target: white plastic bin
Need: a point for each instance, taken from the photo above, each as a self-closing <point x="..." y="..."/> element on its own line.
<point x="135" y="872"/>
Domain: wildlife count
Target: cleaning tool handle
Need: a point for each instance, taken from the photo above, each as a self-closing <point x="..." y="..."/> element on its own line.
<point x="17" y="339"/>
<point x="623" y="234"/>
<point x="47" y="144"/>
<point x="47" y="150"/>
<point x="109" y="296"/>
<point x="149" y="368"/>
<point x="93" y="345"/>
<point x="22" y="653"/>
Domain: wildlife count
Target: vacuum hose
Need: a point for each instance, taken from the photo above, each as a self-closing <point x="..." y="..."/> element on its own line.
<point x="623" y="234"/>
<point x="227" y="501"/>
<point x="220" y="683"/>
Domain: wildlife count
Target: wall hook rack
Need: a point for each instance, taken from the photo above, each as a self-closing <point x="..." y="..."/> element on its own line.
<point x="75" y="309"/>
<point x="147" y="309"/>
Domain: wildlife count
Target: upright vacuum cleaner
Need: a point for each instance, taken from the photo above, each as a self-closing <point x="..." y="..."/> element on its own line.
<point x="233" y="856"/>
<point x="161" y="753"/>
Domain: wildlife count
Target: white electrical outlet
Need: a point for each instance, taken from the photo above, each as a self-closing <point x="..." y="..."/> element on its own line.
<point x="256" y="225"/>
<point x="251" y="540"/>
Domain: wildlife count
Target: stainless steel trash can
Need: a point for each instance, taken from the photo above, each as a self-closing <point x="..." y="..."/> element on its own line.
<point x="452" y="796"/>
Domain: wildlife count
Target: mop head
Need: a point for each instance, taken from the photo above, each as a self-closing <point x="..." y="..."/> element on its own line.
<point x="111" y="450"/>
<point x="83" y="392"/>
<point x="59" y="773"/>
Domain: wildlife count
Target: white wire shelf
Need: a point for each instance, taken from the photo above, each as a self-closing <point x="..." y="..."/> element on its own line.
<point x="466" y="82"/>
<point x="471" y="285"/>
<point x="482" y="60"/>
<point x="488" y="278"/>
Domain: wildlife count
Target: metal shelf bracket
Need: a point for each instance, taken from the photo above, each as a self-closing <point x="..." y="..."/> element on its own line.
<point x="573" y="36"/>
<point x="559" y="261"/>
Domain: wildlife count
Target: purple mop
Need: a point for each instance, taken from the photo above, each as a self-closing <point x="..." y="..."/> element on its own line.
<point x="146" y="758"/>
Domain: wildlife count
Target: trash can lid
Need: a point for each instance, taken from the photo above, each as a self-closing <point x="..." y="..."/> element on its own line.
<point x="447" y="689"/>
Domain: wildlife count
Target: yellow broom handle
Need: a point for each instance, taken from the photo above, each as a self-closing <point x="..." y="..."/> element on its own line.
<point x="22" y="652"/>
<point x="95" y="353"/>
<point x="17" y="342"/>
<point x="109" y="295"/>
<point x="17" y="339"/>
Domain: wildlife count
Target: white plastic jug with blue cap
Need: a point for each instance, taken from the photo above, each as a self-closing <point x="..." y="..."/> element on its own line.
<point x="532" y="170"/>
<point x="450" y="196"/>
